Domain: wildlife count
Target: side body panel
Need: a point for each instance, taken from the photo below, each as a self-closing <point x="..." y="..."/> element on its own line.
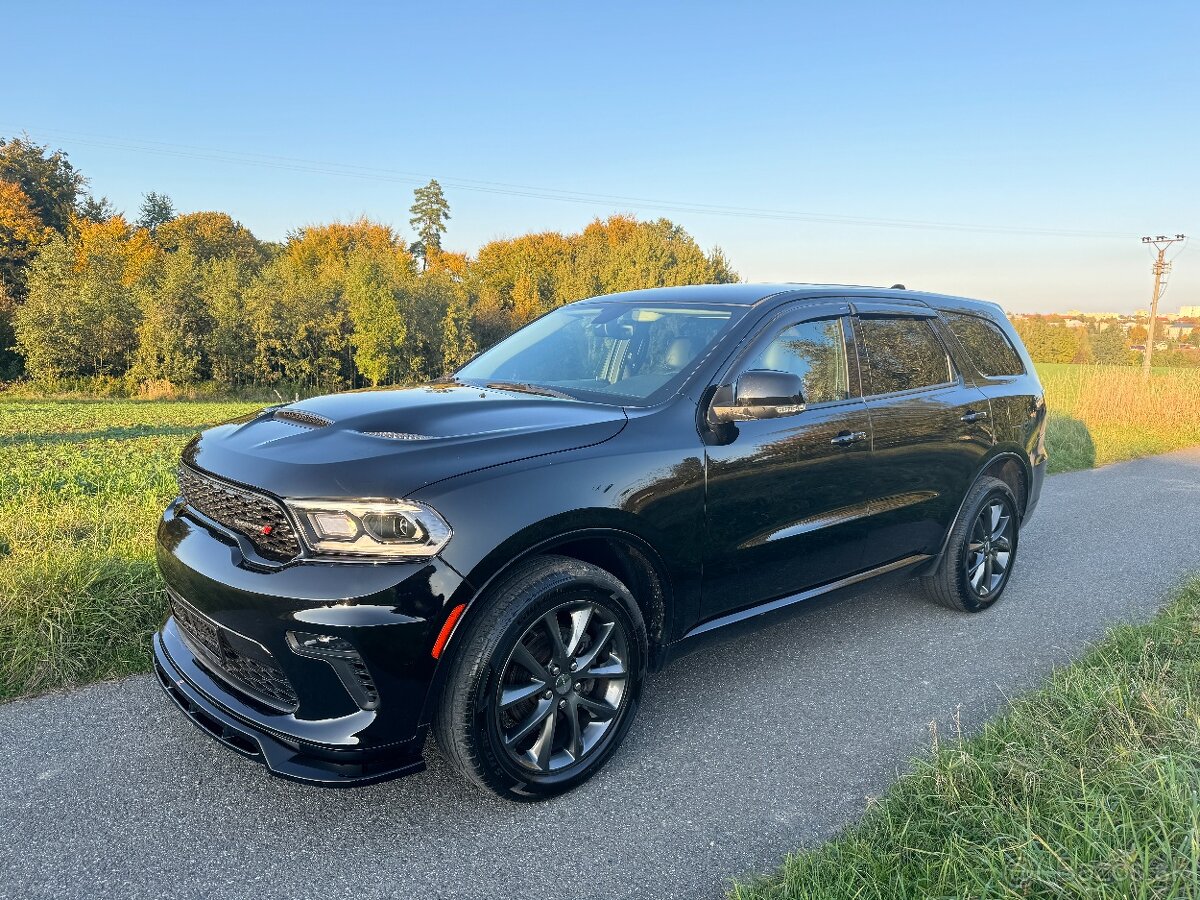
<point x="927" y="447"/>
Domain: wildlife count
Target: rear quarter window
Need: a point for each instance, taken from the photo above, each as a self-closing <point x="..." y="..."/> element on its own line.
<point x="986" y="344"/>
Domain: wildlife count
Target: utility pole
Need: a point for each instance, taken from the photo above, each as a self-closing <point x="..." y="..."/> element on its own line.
<point x="1161" y="268"/>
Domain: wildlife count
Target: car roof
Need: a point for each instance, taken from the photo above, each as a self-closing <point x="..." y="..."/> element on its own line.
<point x="743" y="294"/>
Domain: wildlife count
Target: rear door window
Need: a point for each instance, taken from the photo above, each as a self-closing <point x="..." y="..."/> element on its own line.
<point x="900" y="354"/>
<point x="986" y="343"/>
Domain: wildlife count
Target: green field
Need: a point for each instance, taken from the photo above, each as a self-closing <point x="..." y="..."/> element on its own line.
<point x="81" y="486"/>
<point x="83" y="482"/>
<point x="1086" y="787"/>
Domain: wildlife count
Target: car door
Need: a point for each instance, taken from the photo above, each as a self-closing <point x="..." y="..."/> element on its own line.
<point x="785" y="495"/>
<point x="930" y="429"/>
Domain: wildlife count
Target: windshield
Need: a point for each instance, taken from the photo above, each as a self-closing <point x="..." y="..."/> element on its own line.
<point x="611" y="352"/>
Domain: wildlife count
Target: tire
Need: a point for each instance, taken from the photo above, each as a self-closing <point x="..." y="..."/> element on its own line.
<point x="965" y="580"/>
<point x="518" y="716"/>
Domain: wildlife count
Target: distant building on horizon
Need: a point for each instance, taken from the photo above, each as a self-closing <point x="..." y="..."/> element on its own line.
<point x="1189" y="312"/>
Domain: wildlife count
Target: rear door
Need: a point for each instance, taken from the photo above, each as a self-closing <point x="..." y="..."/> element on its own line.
<point x="785" y="496"/>
<point x="929" y="424"/>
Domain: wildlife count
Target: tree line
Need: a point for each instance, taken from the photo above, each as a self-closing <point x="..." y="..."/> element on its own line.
<point x="1106" y="343"/>
<point x="178" y="300"/>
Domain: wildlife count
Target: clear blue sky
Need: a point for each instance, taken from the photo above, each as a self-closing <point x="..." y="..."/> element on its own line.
<point x="1059" y="117"/>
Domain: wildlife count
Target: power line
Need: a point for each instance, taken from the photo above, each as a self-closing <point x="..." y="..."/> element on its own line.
<point x="284" y="163"/>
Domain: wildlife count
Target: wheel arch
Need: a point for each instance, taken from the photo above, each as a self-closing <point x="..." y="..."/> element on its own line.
<point x="1007" y="465"/>
<point x="629" y="557"/>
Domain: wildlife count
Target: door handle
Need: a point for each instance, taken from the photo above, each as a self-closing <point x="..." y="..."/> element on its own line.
<point x="974" y="416"/>
<point x="846" y="438"/>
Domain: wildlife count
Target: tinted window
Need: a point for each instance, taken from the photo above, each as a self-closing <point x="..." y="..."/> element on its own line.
<point x="987" y="344"/>
<point x="611" y="352"/>
<point x="901" y="355"/>
<point x="816" y="351"/>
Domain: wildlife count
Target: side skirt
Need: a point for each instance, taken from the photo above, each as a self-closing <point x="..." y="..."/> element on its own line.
<point x="744" y="617"/>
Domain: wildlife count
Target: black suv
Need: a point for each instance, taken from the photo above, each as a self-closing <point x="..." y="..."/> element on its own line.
<point x="505" y="554"/>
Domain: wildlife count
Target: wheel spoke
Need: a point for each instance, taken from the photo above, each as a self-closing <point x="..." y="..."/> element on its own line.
<point x="1001" y="545"/>
<point x="979" y="532"/>
<point x="575" y="740"/>
<point x="526" y="728"/>
<point x="977" y="574"/>
<point x="1000" y="561"/>
<point x="544" y="745"/>
<point x="1001" y="527"/>
<point x="598" y="708"/>
<point x="550" y="620"/>
<point x="611" y="668"/>
<point x="994" y="512"/>
<point x="579" y="623"/>
<point x="515" y="693"/>
<point x="987" y="573"/>
<point x="527" y="660"/>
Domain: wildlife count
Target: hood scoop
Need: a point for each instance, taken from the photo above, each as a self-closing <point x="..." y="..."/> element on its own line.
<point x="302" y="417"/>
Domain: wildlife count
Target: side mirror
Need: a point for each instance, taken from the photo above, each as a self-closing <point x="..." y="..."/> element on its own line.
<point x="759" y="394"/>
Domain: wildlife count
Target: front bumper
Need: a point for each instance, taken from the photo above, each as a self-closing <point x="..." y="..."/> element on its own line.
<point x="307" y="722"/>
<point x="283" y="755"/>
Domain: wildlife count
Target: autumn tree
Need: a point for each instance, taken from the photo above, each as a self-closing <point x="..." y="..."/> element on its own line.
<point x="208" y="236"/>
<point x="299" y="309"/>
<point x="1110" y="348"/>
<point x="230" y="345"/>
<point x="430" y="212"/>
<point x="175" y="321"/>
<point x="80" y="317"/>
<point x="48" y="180"/>
<point x="375" y="287"/>
<point x="514" y="280"/>
<point x="21" y="233"/>
<point x="458" y="341"/>
<point x="1048" y="343"/>
<point x="156" y="210"/>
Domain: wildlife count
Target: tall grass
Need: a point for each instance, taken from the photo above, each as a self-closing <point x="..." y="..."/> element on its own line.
<point x="1088" y="787"/>
<point x="1123" y="414"/>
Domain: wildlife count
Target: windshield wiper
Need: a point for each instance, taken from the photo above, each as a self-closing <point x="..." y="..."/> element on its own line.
<point x="524" y="388"/>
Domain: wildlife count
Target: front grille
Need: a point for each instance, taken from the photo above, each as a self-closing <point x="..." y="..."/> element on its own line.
<point x="258" y="517"/>
<point x="243" y="664"/>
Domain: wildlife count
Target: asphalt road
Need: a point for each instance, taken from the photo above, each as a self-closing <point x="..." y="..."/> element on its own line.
<point x="739" y="755"/>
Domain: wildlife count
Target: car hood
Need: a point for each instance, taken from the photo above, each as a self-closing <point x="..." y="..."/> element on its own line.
<point x="391" y="443"/>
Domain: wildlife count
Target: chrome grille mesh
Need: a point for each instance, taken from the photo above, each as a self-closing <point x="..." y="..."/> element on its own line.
<point x="258" y="517"/>
<point x="303" y="417"/>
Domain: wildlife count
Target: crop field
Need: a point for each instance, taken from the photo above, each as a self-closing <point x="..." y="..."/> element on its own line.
<point x="83" y="481"/>
<point x="1103" y="414"/>
<point x="81" y="486"/>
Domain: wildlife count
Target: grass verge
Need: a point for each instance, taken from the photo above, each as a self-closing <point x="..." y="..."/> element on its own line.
<point x="1087" y="787"/>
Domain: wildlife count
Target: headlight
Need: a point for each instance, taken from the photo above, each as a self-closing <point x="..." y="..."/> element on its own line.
<point x="370" y="528"/>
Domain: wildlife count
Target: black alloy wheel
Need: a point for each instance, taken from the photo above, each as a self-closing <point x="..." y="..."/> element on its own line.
<point x="544" y="680"/>
<point x="562" y="687"/>
<point x="989" y="552"/>
<point x="981" y="550"/>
